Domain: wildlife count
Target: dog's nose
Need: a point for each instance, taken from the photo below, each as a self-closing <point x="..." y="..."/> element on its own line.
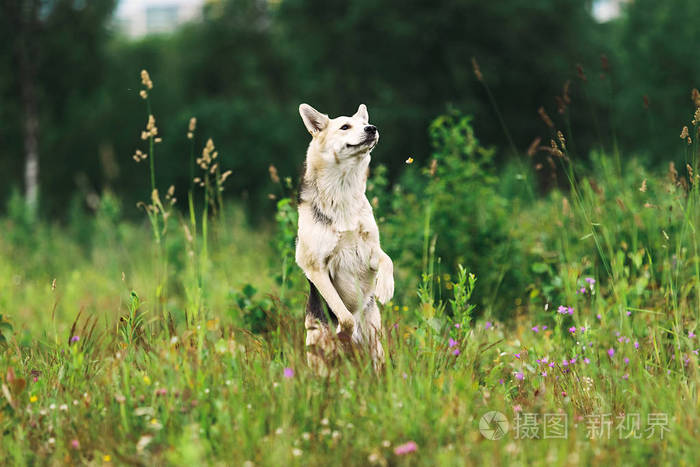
<point x="371" y="129"/>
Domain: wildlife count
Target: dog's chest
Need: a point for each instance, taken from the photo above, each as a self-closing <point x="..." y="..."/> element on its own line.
<point x="351" y="254"/>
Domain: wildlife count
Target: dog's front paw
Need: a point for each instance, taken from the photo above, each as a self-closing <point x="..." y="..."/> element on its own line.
<point x="346" y="328"/>
<point x="385" y="288"/>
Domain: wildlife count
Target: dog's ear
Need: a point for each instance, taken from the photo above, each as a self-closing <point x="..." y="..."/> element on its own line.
<point x="362" y="113"/>
<point x="314" y="120"/>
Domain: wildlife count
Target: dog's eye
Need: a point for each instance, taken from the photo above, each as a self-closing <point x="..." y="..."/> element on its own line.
<point x="345" y="127"/>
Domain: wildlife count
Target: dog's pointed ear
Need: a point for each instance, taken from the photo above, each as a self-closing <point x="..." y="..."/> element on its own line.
<point x="362" y="113"/>
<point x="314" y="120"/>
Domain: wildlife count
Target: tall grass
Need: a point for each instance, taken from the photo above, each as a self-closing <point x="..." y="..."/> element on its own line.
<point x="591" y="312"/>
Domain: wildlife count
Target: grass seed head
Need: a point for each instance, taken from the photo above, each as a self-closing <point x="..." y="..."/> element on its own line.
<point x="146" y="79"/>
<point x="545" y="118"/>
<point x="477" y="69"/>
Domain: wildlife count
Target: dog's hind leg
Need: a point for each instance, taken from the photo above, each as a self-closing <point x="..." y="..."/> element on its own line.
<point x="374" y="334"/>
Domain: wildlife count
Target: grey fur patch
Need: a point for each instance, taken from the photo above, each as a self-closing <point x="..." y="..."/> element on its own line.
<point x="320" y="216"/>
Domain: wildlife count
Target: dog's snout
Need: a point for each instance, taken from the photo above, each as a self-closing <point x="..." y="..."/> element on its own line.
<point x="371" y="129"/>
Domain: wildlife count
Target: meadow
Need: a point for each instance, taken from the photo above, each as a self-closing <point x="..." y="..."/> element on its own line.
<point x="572" y="312"/>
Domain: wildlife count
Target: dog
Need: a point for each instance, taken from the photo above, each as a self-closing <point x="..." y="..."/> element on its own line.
<point x="338" y="239"/>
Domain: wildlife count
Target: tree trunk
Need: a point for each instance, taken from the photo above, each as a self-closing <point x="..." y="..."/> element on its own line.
<point x="26" y="20"/>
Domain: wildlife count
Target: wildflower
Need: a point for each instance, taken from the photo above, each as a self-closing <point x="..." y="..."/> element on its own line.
<point x="288" y="373"/>
<point x="544" y="328"/>
<point x="535" y="329"/>
<point x="147" y="380"/>
<point x="455" y="352"/>
<point x="33" y="399"/>
<point x="572" y="329"/>
<point x="611" y="352"/>
<point x="519" y="375"/>
<point x="582" y="329"/>
<point x="500" y="381"/>
<point x="626" y="376"/>
<point x="457" y="325"/>
<point x="691" y="334"/>
<point x="517" y="355"/>
<point x="626" y="360"/>
<point x="75" y="444"/>
<point x="406" y="448"/>
<point x="586" y="360"/>
<point x="75" y="338"/>
<point x="544" y="373"/>
<point x="63" y="408"/>
<point x="107" y="458"/>
<point x="488" y="325"/>
<point x="599" y="317"/>
<point x="409" y="160"/>
<point x="452" y="342"/>
<point x="636" y="344"/>
<point x="629" y="313"/>
<point x="296" y="452"/>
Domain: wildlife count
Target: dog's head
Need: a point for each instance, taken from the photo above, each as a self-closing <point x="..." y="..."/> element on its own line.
<point x="342" y="138"/>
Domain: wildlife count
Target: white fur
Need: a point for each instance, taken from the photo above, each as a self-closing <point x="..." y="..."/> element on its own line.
<point x="338" y="240"/>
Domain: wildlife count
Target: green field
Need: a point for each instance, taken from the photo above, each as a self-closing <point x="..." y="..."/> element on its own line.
<point x="180" y="340"/>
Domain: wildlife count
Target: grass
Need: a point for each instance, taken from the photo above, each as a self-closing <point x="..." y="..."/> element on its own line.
<point x="137" y="344"/>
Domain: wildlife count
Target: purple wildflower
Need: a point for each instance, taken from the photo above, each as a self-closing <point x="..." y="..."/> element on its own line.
<point x="590" y="280"/>
<point x="406" y="448"/>
<point x="599" y="317"/>
<point x="544" y="328"/>
<point x="75" y="338"/>
<point x="544" y="373"/>
<point x="488" y="325"/>
<point x="586" y="360"/>
<point x="452" y="342"/>
<point x="572" y="329"/>
<point x="455" y="352"/>
<point x="629" y="313"/>
<point x="535" y="329"/>
<point x="288" y="373"/>
<point x="517" y="355"/>
<point x="520" y="375"/>
<point x="626" y="376"/>
<point x="457" y="325"/>
<point x="611" y="352"/>
<point x="691" y="334"/>
<point x="626" y="360"/>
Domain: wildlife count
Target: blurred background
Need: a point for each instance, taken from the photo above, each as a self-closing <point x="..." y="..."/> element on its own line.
<point x="618" y="73"/>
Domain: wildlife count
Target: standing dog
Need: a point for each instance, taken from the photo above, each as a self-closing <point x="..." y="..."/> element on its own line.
<point x="338" y="240"/>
